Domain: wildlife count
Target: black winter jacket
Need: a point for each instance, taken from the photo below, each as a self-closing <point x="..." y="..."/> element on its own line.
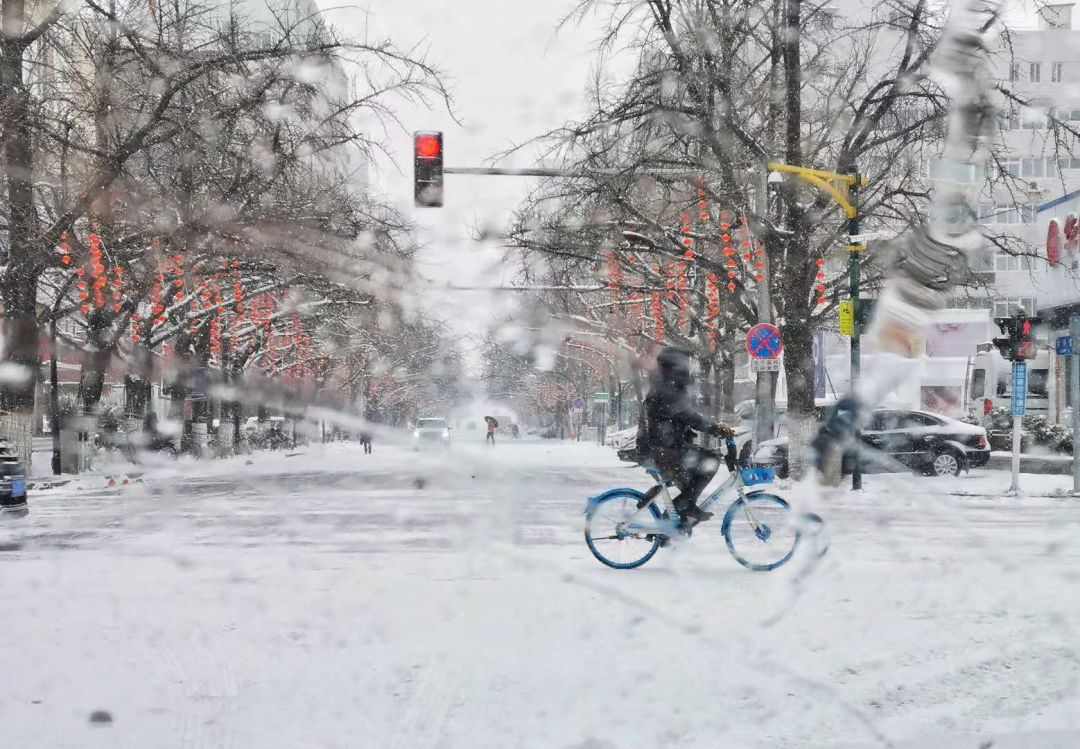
<point x="668" y="418"/>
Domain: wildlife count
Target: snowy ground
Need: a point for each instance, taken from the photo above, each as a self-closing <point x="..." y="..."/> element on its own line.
<point x="441" y="600"/>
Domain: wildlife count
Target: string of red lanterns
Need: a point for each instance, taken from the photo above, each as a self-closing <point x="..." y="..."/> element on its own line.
<point x="712" y="293"/>
<point x="820" y="279"/>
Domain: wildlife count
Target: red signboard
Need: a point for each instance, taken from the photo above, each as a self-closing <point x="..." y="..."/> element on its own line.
<point x="1053" y="243"/>
<point x="1062" y="237"/>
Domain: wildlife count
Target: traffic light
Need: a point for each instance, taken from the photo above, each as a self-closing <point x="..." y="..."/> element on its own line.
<point x="1017" y="343"/>
<point x="428" y="169"/>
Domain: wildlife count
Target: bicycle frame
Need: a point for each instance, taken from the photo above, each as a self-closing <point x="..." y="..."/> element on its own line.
<point x="669" y="527"/>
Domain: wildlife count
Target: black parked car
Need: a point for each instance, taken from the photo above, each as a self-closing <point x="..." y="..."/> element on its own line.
<point x="12" y="482"/>
<point x="927" y="443"/>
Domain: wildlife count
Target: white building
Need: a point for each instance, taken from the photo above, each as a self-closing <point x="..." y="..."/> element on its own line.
<point x="1045" y="69"/>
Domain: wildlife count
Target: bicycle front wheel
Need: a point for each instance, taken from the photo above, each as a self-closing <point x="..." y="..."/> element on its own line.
<point x="608" y="537"/>
<point x="760" y="531"/>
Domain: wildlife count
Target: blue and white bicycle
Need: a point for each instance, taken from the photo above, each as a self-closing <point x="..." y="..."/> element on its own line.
<point x="625" y="527"/>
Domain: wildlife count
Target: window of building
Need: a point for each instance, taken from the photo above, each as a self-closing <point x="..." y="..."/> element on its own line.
<point x="1006" y="213"/>
<point x="968" y="173"/>
<point x="1035" y="72"/>
<point x="1069" y="162"/>
<point x="1038" y="167"/>
<point x="1056" y="69"/>
<point x="1014" y="72"/>
<point x="1033" y="119"/>
<point x="1011" y="167"/>
<point x="1004" y="262"/>
<point x="1009" y="307"/>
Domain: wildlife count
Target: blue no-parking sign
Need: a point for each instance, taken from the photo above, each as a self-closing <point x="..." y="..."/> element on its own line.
<point x="763" y="341"/>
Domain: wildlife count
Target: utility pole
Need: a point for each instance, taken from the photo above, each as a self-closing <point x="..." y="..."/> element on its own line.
<point x="1074" y="383"/>
<point x="1017" y="345"/>
<point x="54" y="400"/>
<point x="765" y="392"/>
<point x="854" y="273"/>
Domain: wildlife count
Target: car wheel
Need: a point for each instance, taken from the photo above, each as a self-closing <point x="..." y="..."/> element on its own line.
<point x="945" y="463"/>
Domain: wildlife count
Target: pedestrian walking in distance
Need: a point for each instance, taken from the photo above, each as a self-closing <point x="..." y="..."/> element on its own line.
<point x="492" y="424"/>
<point x="365" y="442"/>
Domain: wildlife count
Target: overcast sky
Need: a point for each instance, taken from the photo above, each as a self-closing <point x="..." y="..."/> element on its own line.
<point x="512" y="76"/>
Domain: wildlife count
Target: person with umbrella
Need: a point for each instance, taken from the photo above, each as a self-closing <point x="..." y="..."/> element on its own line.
<point x="492" y="425"/>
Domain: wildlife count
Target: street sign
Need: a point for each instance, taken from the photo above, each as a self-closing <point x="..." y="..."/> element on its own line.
<point x="764" y="342"/>
<point x="1019" y="389"/>
<point x="847" y="317"/>
<point x="764" y="365"/>
<point x="1064" y="345"/>
<point x="579" y="405"/>
<point x="601" y="397"/>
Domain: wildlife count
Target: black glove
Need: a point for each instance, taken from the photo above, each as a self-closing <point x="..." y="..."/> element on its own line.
<point x="723" y="430"/>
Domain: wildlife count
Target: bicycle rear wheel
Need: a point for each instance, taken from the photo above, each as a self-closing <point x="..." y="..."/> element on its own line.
<point x="607" y="536"/>
<point x="761" y="531"/>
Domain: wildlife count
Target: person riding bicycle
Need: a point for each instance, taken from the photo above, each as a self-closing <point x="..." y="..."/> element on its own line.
<point x="666" y="433"/>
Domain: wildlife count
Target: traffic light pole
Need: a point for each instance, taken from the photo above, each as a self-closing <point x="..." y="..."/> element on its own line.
<point x="1019" y="391"/>
<point x="854" y="276"/>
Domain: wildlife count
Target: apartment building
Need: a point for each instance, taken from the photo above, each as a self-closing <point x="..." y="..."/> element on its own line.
<point x="1044" y="69"/>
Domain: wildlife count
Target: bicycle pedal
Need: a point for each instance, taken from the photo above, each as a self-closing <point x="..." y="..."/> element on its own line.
<point x="649" y="497"/>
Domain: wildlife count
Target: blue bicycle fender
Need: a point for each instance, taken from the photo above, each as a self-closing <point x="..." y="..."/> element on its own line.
<point x="594" y="501"/>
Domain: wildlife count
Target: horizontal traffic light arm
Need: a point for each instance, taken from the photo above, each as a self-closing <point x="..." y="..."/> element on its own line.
<point x="540" y="172"/>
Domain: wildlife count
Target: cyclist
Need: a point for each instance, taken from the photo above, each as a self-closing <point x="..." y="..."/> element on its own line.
<point x="665" y="434"/>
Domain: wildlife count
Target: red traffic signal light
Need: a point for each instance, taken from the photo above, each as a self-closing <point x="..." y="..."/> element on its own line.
<point x="427" y="169"/>
<point x="428" y="146"/>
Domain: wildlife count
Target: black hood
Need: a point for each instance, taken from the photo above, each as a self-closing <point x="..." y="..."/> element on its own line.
<point x="673" y="367"/>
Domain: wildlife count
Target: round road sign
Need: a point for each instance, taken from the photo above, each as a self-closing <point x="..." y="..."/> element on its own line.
<point x="764" y="342"/>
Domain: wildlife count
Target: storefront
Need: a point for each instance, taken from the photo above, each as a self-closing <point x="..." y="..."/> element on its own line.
<point x="1058" y="222"/>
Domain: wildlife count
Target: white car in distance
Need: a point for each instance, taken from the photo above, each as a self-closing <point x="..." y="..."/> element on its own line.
<point x="431" y="431"/>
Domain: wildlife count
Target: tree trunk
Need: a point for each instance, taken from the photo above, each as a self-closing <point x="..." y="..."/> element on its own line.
<point x="18" y="286"/>
<point x="95" y="363"/>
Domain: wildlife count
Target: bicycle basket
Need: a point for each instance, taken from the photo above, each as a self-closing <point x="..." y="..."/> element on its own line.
<point x="752" y="476"/>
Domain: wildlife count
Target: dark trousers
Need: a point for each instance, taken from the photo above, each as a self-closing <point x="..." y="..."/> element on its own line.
<point x="491" y="437"/>
<point x="691" y="468"/>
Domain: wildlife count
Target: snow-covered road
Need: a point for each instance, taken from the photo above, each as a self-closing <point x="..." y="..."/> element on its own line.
<point x="439" y="601"/>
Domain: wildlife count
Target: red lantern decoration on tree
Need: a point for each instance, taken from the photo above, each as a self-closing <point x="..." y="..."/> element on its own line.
<point x="684" y="297"/>
<point x="712" y="292"/>
<point x="658" y="312"/>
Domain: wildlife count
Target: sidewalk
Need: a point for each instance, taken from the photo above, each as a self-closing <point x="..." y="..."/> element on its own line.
<point x="1055" y="465"/>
